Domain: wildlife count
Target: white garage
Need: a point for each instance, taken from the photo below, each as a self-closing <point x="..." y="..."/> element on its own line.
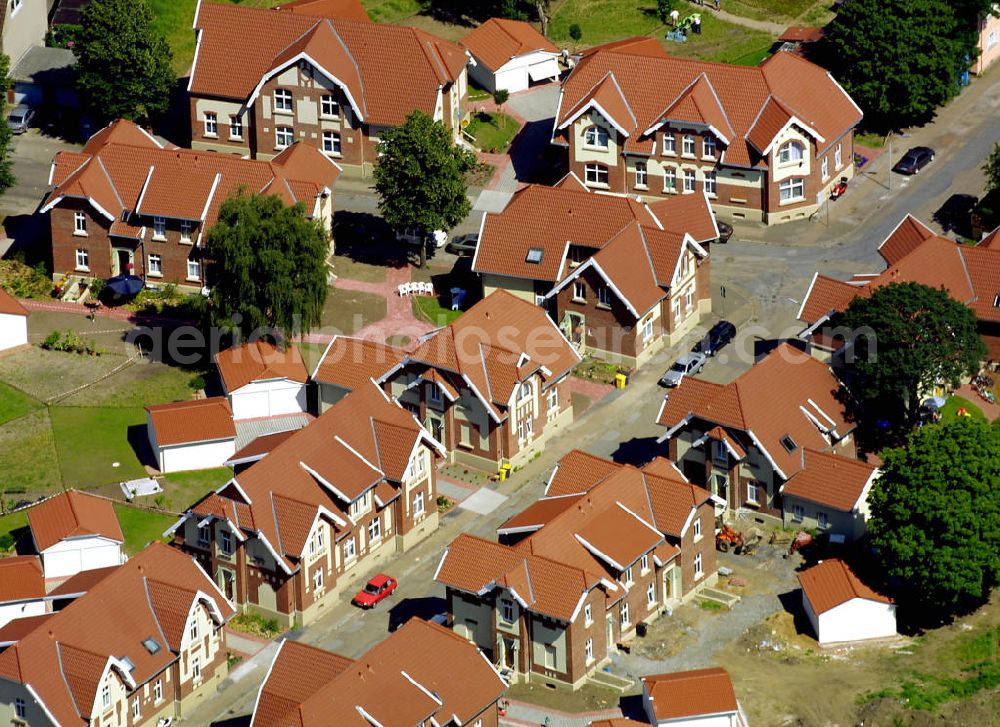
<point x="261" y="380"/>
<point x="22" y="588"/>
<point x="843" y="609"/>
<point x="74" y="532"/>
<point x="511" y="55"/>
<point x="13" y="322"/>
<point x="191" y="435"/>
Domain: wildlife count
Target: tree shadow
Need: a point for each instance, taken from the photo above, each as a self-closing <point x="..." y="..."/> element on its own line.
<point x="955" y="215"/>
<point x="637" y="451"/>
<point x="243" y="721"/>
<point x="366" y="238"/>
<point x="425" y="608"/>
<point x="460" y="13"/>
<point x="32" y="238"/>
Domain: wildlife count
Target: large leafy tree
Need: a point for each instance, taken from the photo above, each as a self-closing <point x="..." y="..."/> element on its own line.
<point x="7" y="178"/>
<point x="420" y="177"/>
<point x="935" y="516"/>
<point x="908" y="338"/>
<point x="898" y="59"/>
<point x="123" y="62"/>
<point x="992" y="169"/>
<point x="267" y="266"/>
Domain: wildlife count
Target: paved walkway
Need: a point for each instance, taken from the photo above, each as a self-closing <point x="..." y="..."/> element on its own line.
<point x="399" y="319"/>
<point x="520" y="714"/>
<point x="766" y="25"/>
<point x="990" y="411"/>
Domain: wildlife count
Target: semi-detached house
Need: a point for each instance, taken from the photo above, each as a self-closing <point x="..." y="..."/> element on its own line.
<point x="334" y="83"/>
<point x="765" y="143"/>
<point x="288" y="535"/>
<point x="607" y="548"/>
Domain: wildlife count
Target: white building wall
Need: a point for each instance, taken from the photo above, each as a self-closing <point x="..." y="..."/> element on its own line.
<point x="856" y="620"/>
<point x="13" y="331"/>
<point x="268" y="399"/>
<point x="197" y="456"/>
<point x="69" y="557"/>
<point x="20" y="609"/>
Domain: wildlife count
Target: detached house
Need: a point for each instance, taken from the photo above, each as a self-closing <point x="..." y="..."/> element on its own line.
<point x="605" y="549"/>
<point x="914" y="254"/>
<point x="765" y="143"/>
<point x="421" y="674"/>
<point x="334" y="83"/>
<point x="142" y="647"/>
<point x="286" y="536"/>
<point x="621" y="277"/>
<point x="126" y="204"/>
<point x="74" y="531"/>
<point x="744" y="440"/>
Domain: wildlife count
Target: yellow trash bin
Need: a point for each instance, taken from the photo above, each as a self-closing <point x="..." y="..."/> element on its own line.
<point x="504" y="472"/>
<point x="620" y="381"/>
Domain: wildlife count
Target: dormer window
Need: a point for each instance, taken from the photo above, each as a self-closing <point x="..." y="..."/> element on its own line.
<point x="525" y="391"/>
<point x="791" y="152"/>
<point x="596" y="136"/>
<point x="788" y="443"/>
<point x="669" y="144"/>
<point x="708" y="146"/>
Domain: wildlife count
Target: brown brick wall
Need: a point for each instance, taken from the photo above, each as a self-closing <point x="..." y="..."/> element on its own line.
<point x="608" y="329"/>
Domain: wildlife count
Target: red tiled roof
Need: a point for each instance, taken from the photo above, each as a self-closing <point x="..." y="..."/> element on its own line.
<point x="351" y="363"/>
<point x="827" y="295"/>
<point x="186" y="422"/>
<point x="829" y="479"/>
<point x="498" y="40"/>
<point x="82" y="581"/>
<point x="73" y="514"/>
<point x="351" y="9"/>
<point x="538" y="514"/>
<point x="801" y="34"/>
<point x="907" y="236"/>
<point x="690" y="693"/>
<point x="991" y="241"/>
<point x="833" y="583"/>
<point x="10" y="306"/>
<point x="652" y="81"/>
<point x="17" y="629"/>
<point x="259" y="361"/>
<point x="109" y="622"/>
<point x="258" y="448"/>
<point x="21" y="578"/>
<point x="389" y="70"/>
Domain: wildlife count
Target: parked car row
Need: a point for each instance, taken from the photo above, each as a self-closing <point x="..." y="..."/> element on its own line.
<point x="717" y="338"/>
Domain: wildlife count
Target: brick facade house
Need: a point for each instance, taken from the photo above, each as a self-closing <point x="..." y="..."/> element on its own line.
<point x="607" y="548"/>
<point x="333" y="83"/>
<point x="765" y="143"/>
<point x="126" y="204"/>
<point x="357" y="485"/>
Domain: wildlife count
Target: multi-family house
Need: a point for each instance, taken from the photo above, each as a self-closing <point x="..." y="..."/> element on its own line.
<point x="126" y="204"/>
<point x="989" y="40"/>
<point x="493" y="385"/>
<point x="765" y="143"/>
<point x="75" y="531"/>
<point x="143" y="646"/>
<point x="288" y="535"/>
<point x="745" y="439"/>
<point x="334" y="83"/>
<point x="604" y="550"/>
<point x="23" y="25"/>
<point x="621" y="277"/>
<point x="913" y="253"/>
<point x="421" y="674"/>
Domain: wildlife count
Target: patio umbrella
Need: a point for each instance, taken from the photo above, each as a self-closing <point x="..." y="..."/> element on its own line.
<point x="125" y="286"/>
<point x="935" y="402"/>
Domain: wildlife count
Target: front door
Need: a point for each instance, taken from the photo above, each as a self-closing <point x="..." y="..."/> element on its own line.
<point x="122" y="261"/>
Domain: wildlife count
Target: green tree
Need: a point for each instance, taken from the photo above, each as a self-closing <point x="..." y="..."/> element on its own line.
<point x="267" y="265"/>
<point x="7" y="178"/>
<point x="935" y="515"/>
<point x="898" y="59"/>
<point x="663" y="8"/>
<point x="992" y="169"/>
<point x="123" y="64"/>
<point x="500" y="97"/>
<point x="420" y="177"/>
<point x="908" y="338"/>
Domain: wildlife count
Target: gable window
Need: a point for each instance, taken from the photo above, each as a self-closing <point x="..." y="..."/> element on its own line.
<point x="644" y="564"/>
<point x="226" y="542"/>
<point x="708" y="147"/>
<point x="79" y="223"/>
<point x="156" y="266"/>
<point x="317" y="579"/>
<point x="20" y="708"/>
<point x="186" y="227"/>
<point x="331" y="142"/>
<point x="625" y="621"/>
<point x="669" y="144"/>
<point x="628" y="576"/>
<point x="235" y="127"/>
<point x="350" y="550"/>
<point x="588" y="650"/>
<point x="604" y="296"/>
<point x="710" y="183"/>
<point x="434" y="393"/>
<point x="195" y="668"/>
<point x="791" y="152"/>
<point x="640" y="175"/>
<point x="525" y="391"/>
<point x="688" y="180"/>
<point x="329" y="107"/>
<point x="105" y="696"/>
<point x="837" y="158"/>
<point x="822" y="520"/>
<point x="824" y="167"/>
<point x="193" y="269"/>
<point x="698" y="571"/>
<point x="316" y="542"/>
<point x="159" y="228"/>
<point x="792" y="189"/>
<point x="579" y="291"/>
<point x="588" y="615"/>
<point x="553" y="399"/>
<point x="375" y="530"/>
<point x="158" y="691"/>
<point x="596" y="174"/>
<point x="798" y="512"/>
<point x="651" y="594"/>
<point x="418" y="504"/>
<point x="135" y="709"/>
<point x="211" y="125"/>
<point x="283" y="137"/>
<point x="596" y="136"/>
<point x="282" y="99"/>
<point x="193" y="631"/>
<point x="507" y="611"/>
<point x="669" y="180"/>
<point x="697" y="530"/>
<point x="362" y="505"/>
<point x="688" y="146"/>
<point x="82" y="260"/>
<point x="204" y="535"/>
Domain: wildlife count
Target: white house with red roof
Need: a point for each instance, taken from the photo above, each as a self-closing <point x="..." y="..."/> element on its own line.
<point x="13" y="322"/>
<point x="191" y="435"/>
<point x="75" y="531"/>
<point x="262" y="380"/>
<point x="829" y="493"/>
<point x="841" y="608"/>
<point x="697" y="698"/>
<point x="510" y="55"/>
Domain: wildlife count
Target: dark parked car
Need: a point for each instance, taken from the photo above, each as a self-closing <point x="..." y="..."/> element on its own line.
<point x="914" y="160"/>
<point x="721" y="333"/>
<point x="463" y="244"/>
<point x="725" y="231"/>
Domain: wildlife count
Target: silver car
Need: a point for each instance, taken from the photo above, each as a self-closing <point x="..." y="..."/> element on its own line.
<point x="20" y="118"/>
<point x="689" y="363"/>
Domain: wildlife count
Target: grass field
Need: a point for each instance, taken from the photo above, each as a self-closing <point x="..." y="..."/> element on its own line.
<point x="15" y="404"/>
<point x="949" y="412"/>
<point x="183" y="489"/>
<point x="773" y="10"/>
<point x="141" y="527"/>
<point x="28" y="458"/>
<point x="603" y="20"/>
<point x="8" y="524"/>
<point x="430" y="309"/>
<point x="346" y="311"/>
<point x="493" y="132"/>
<point x="723" y="42"/>
<point x="347" y="267"/>
<point x="90" y="440"/>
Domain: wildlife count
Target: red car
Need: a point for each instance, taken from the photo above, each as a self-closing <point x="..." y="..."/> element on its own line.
<point x="378" y="588"/>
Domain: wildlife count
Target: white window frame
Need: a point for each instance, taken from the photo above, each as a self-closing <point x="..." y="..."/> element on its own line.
<point x="434" y="393"/>
<point x="651" y="594"/>
<point x="375" y="530"/>
<point x="711" y="183"/>
<point x="604" y="296"/>
<point x="418" y="504"/>
<point x="641" y="175"/>
<point x="329" y="107"/>
<point x="687" y="145"/>
<point x="193" y="269"/>
<point x="594" y="174"/>
<point x="644" y="564"/>
<point x="798" y="513"/>
<point x="196" y="667"/>
<point x="647" y="328"/>
<point x="822" y="520"/>
<point x="79" y="223"/>
<point x="690" y="181"/>
<point x="588" y="614"/>
<point x="698" y="569"/>
<point x="669" y="144"/>
<point x="670" y="180"/>
<point x="159" y="228"/>
<point x="786" y="155"/>
<point x="155" y="266"/>
<point x="350" y="549"/>
<point x="506" y="610"/>
<point x="588" y="651"/>
<point x="824" y="168"/>
<point x="838" y="158"/>
<point x="331" y="143"/>
<point x="158" y="691"/>
<point x="187" y="227"/>
<point x="211" y="121"/>
<point x="596" y="137"/>
<point x="627" y="576"/>
<point x="135" y="709"/>
<point x="284" y="137"/>
<point x="106" y="696"/>
<point x="82" y="259"/>
<point x="753" y="493"/>
<point x="552" y="398"/>
<point x="708" y="147"/>
<point x="225" y="542"/>
<point x="20" y="708"/>
<point x="792" y="189"/>
<point x="579" y="291"/>
<point x="697" y="529"/>
<point x="193" y="629"/>
<point x="624" y="616"/>
<point x="236" y="127"/>
<point x="286" y="96"/>
<point x="318" y="579"/>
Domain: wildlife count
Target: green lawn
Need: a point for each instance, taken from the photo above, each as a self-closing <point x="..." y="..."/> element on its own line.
<point x="183" y="489"/>
<point x="603" y="20"/>
<point x="493" y="132"/>
<point x="347" y="311"/>
<point x="430" y="309"/>
<point x="723" y="42"/>
<point x="949" y="412"/>
<point x="141" y="527"/>
<point x="8" y="524"/>
<point x="142" y="384"/>
<point x="15" y="404"/>
<point x="777" y="11"/>
<point x="392" y="11"/>
<point x="28" y="461"/>
<point x="89" y="440"/>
